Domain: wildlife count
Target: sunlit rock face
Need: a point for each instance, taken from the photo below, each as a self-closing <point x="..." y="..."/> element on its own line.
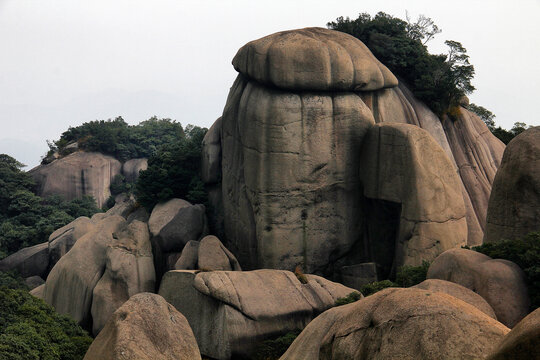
<point x="284" y="162"/>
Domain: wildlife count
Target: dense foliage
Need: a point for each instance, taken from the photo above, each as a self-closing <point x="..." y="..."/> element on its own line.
<point x="31" y="330"/>
<point x="273" y="349"/>
<point x="174" y="171"/>
<point x="118" y="139"/>
<point x="525" y="252"/>
<point x="27" y="219"/>
<point x="352" y="297"/>
<point x="438" y="80"/>
<point x="406" y="276"/>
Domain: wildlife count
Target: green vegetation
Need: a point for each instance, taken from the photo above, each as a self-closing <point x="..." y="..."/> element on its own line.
<point x="373" y="287"/>
<point x="487" y="117"/>
<point x="525" y="252"/>
<point x="438" y="80"/>
<point x="406" y="276"/>
<point x="31" y="330"/>
<point x="274" y="348"/>
<point x="27" y="219"/>
<point x="352" y="297"/>
<point x="173" y="171"/>
<point x="118" y="139"/>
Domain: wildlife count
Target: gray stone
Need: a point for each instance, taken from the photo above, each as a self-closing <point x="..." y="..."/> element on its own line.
<point x="132" y="167"/>
<point x="355" y="276"/>
<point x="212" y="255"/>
<point x="33" y="282"/>
<point x="63" y="239"/>
<point x="30" y="261"/>
<point x="188" y="260"/>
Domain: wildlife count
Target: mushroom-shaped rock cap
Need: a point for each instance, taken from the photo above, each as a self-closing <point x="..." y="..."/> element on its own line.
<point x="313" y="59"/>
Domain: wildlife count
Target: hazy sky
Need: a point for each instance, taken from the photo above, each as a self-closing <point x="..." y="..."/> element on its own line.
<point x="65" y="62"/>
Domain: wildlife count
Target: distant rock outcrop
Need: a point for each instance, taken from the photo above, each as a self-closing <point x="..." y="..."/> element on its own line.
<point x="78" y="174"/>
<point x="230" y="312"/>
<point x="131" y="168"/>
<point x="145" y="327"/>
<point x="399" y="324"/>
<point x="514" y="205"/>
<point x="500" y="282"/>
<point x="283" y="170"/>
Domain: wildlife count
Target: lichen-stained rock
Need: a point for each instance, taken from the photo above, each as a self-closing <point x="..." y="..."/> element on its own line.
<point x="132" y="167"/>
<point x="29" y="261"/>
<point x="63" y="239"/>
<point x="399" y="324"/>
<point x="514" y="205"/>
<point x="129" y="270"/>
<point x="230" y="312"/>
<point x="70" y="283"/>
<point x="402" y="164"/>
<point x="290" y="186"/>
<point x="459" y="292"/>
<point x="145" y="327"/>
<point x="500" y="282"/>
<point x="78" y="174"/>
<point x="313" y="59"/>
<point x="522" y="342"/>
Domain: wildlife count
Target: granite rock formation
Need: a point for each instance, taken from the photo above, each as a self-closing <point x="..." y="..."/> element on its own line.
<point x="230" y="312"/>
<point x="399" y="324"/>
<point x="514" y="205"/>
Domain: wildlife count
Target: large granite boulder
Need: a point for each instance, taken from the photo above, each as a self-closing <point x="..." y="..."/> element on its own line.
<point x="500" y="282"/>
<point x="459" y="292"/>
<point x="145" y="327"/>
<point x="129" y="270"/>
<point x="78" y="174"/>
<point x="132" y="167"/>
<point x="422" y="202"/>
<point x="399" y="324"/>
<point x="523" y="342"/>
<point x="63" y="239"/>
<point x="102" y="270"/>
<point x="230" y="312"/>
<point x="30" y="261"/>
<point x="282" y="163"/>
<point x="514" y="205"/>
<point x="210" y="254"/>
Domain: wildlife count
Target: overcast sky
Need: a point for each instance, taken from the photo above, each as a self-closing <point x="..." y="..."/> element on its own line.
<point x="65" y="62"/>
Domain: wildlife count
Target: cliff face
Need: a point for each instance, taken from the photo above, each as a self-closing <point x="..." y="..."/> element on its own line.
<point x="288" y="147"/>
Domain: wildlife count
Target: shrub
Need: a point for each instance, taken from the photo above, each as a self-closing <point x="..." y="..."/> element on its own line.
<point x="274" y="348"/>
<point x="352" y="297"/>
<point x="372" y="288"/>
<point x="408" y="276"/>
<point x="524" y="252"/>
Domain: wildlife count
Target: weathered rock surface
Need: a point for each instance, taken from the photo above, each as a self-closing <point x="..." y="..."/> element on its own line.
<point x="132" y="167"/>
<point x="358" y="275"/>
<point x="399" y="324"/>
<point x="145" y="327"/>
<point x="78" y="174"/>
<point x="458" y="291"/>
<point x="63" y="239"/>
<point x="129" y="270"/>
<point x="402" y="164"/>
<point x="523" y="342"/>
<point x="124" y="205"/>
<point x="106" y="266"/>
<point x="213" y="255"/>
<point x="313" y="59"/>
<point x="514" y="205"/>
<point x="189" y="258"/>
<point x="38" y="291"/>
<point x="287" y="152"/>
<point x="33" y="282"/>
<point x="500" y="282"/>
<point x="163" y="213"/>
<point x="30" y="261"/>
<point x="70" y="283"/>
<point x="231" y="311"/>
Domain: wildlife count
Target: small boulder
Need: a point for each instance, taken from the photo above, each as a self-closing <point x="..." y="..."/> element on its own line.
<point x="189" y="223"/>
<point x="213" y="255"/>
<point x="188" y="260"/>
<point x="145" y="327"/>
<point x="458" y="291"/>
<point x="500" y="282"/>
<point x="523" y="342"/>
<point x="399" y="324"/>
<point x="30" y="261"/>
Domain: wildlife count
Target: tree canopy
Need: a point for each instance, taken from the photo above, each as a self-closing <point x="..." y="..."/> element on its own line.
<point x="438" y="80"/>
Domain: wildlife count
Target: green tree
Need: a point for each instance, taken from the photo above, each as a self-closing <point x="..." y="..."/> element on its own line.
<point x="484" y="114"/>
